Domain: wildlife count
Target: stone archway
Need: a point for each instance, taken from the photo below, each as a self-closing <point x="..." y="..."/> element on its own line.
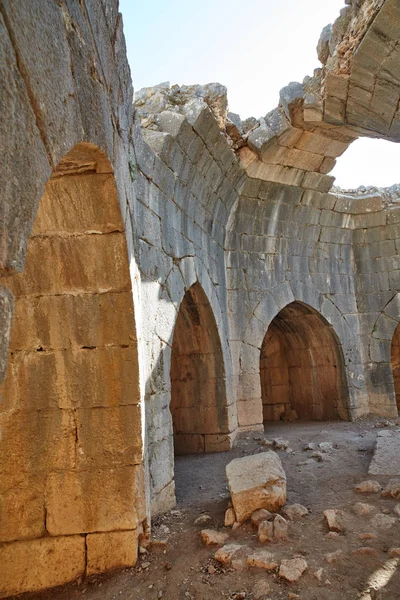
<point x="301" y="367"/>
<point x="71" y="473"/>
<point x="198" y="388"/>
<point x="395" y="363"/>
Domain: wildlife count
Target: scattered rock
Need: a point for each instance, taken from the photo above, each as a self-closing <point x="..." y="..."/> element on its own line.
<point x="383" y="522"/>
<point x="230" y="517"/>
<point x="307" y="462"/>
<point x="396" y="510"/>
<point x="256" y="481"/>
<point x="225" y="554"/>
<point x="361" y="509"/>
<point x="266" y="531"/>
<point x="202" y="520"/>
<point x="318" y="456"/>
<point x="209" y="537"/>
<point x="262" y="559"/>
<point x="236" y="525"/>
<point x="325" y="447"/>
<point x="281" y="528"/>
<point x="368" y="487"/>
<point x="292" y="596"/>
<point x="392" y="490"/>
<point x="280" y="443"/>
<point x="333" y="557"/>
<point x="294" y="512"/>
<point x="365" y="551"/>
<point x="158" y="545"/>
<point x="318" y="574"/>
<point x="261" y="515"/>
<point x="367" y="536"/>
<point x="310" y="446"/>
<point x="394" y="553"/>
<point x="332" y="535"/>
<point x="211" y="570"/>
<point x="334" y="518"/>
<point x="292" y="569"/>
<point x="267" y="443"/>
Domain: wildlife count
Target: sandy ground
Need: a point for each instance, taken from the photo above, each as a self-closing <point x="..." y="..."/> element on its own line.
<point x="186" y="570"/>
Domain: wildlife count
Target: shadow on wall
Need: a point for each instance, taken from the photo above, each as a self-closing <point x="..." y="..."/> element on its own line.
<point x="71" y="446"/>
<point x="302" y="368"/>
<point x="198" y="384"/>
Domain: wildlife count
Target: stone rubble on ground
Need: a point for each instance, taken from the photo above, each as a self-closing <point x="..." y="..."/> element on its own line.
<point x="392" y="489"/>
<point x="294" y="512"/>
<point x="362" y="509"/>
<point x="334" y="519"/>
<point x="209" y="537"/>
<point x="292" y="569"/>
<point x="368" y="487"/>
<point x="262" y="559"/>
<point x="261" y="515"/>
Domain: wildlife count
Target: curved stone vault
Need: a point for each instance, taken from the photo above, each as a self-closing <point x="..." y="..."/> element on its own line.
<point x="147" y="249"/>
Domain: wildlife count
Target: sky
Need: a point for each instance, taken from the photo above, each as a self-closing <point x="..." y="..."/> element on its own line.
<point x="254" y="48"/>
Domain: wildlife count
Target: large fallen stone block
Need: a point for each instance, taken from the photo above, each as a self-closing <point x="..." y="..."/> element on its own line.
<point x="386" y="458"/>
<point x="255" y="482"/>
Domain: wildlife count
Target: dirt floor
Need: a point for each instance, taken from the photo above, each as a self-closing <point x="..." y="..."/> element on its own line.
<point x="185" y="569"/>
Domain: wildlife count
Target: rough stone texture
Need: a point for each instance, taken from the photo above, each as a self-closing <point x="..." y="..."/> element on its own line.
<point x="386" y="458"/>
<point x="36" y="564"/>
<point x="256" y="482"/>
<point x="111" y="550"/>
<point x="293" y="569"/>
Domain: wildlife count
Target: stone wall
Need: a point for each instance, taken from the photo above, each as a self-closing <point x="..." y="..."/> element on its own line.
<point x="148" y="251"/>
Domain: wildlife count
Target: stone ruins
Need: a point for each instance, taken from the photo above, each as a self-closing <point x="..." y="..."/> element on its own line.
<point x="171" y="275"/>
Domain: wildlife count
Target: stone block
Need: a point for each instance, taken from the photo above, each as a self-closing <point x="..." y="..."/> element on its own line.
<point x="111" y="550"/>
<point x="73" y="264"/>
<point x="255" y="482"/>
<point x="23" y="450"/>
<point x="62" y="211"/>
<point x="22" y="513"/>
<point x="109" y="436"/>
<point x="34" y="565"/>
<point x="90" y="501"/>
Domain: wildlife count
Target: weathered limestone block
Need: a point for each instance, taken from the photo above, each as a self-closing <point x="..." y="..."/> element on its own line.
<point x="38" y="564"/>
<point x="257" y="481"/>
<point x="386" y="458"/>
<point x="90" y="501"/>
<point x="22" y="512"/>
<point x="111" y="550"/>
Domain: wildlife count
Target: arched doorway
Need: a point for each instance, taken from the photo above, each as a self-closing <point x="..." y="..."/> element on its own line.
<point x="71" y="444"/>
<point x="395" y="362"/>
<point x="198" y="387"/>
<point x="301" y="367"/>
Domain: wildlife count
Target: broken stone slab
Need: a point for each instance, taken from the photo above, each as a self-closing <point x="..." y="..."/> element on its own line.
<point x="361" y="509"/>
<point x="261" y="515"/>
<point x="334" y="519"/>
<point x="386" y="458"/>
<point x="280" y="443"/>
<point x="262" y="559"/>
<point x="256" y="481"/>
<point x="230" y="517"/>
<point x="225" y="554"/>
<point x="368" y="487"/>
<point x="333" y="557"/>
<point x="273" y="531"/>
<point x="292" y="569"/>
<point x="294" y="512"/>
<point x="209" y="537"/>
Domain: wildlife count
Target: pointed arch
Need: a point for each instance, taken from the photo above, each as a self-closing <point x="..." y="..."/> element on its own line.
<point x="302" y="367"/>
<point x="71" y="445"/>
<point x="199" y="406"/>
